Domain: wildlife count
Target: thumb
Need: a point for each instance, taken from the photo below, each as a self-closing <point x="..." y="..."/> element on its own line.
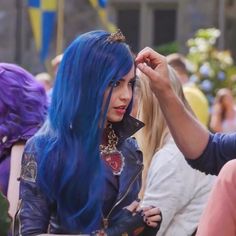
<point x="133" y="206"/>
<point x="147" y="70"/>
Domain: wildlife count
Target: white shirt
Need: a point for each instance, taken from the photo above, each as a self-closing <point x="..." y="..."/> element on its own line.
<point x="178" y="190"/>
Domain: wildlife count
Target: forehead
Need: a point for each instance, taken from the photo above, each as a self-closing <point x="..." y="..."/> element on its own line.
<point x="130" y="74"/>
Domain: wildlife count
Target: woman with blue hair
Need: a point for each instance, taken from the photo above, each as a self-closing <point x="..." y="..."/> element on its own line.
<point x="83" y="168"/>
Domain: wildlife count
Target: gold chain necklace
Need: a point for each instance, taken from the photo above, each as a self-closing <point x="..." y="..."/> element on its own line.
<point x="112" y="142"/>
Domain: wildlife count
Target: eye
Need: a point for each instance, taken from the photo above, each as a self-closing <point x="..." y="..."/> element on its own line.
<point x="132" y="82"/>
<point x="114" y="84"/>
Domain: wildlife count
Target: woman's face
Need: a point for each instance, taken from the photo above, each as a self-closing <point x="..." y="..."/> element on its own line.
<point x="120" y="97"/>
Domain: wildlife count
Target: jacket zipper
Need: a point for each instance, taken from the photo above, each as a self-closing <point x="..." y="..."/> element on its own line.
<point x="106" y="219"/>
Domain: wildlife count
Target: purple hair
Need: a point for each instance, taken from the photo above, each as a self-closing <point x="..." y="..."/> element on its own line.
<point x="23" y="106"/>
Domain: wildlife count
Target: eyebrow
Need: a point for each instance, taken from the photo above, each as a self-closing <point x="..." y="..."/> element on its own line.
<point x="133" y="78"/>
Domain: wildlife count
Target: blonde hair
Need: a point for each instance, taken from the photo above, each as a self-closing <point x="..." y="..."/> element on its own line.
<point x="219" y="101"/>
<point x="154" y="135"/>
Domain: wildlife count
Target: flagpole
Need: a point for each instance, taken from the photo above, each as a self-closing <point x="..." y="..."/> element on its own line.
<point x="60" y="26"/>
<point x="18" y="32"/>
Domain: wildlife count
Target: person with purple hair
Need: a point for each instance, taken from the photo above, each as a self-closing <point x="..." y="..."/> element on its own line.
<point x="23" y="106"/>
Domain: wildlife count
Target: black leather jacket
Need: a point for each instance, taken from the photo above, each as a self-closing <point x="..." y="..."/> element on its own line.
<point x="36" y="215"/>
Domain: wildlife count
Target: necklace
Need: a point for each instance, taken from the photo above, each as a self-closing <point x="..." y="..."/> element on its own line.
<point x="109" y="153"/>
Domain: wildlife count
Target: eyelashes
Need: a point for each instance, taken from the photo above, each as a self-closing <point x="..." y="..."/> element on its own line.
<point x="133" y="81"/>
<point x="115" y="84"/>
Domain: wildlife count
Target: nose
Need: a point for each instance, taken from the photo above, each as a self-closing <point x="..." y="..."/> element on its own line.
<point x="126" y="93"/>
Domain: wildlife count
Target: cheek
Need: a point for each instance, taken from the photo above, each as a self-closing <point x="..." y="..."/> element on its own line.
<point x="130" y="93"/>
<point x="104" y="100"/>
<point x="112" y="100"/>
<point x="105" y="97"/>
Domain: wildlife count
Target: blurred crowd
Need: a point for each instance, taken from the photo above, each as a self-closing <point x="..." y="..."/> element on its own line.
<point x="97" y="147"/>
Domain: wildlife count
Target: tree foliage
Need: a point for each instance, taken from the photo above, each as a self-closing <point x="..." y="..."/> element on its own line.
<point x="210" y="68"/>
<point x="5" y="220"/>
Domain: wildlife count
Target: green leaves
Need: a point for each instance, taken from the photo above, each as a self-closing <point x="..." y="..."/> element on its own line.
<point x="211" y="68"/>
<point x="168" y="48"/>
<point x="5" y="220"/>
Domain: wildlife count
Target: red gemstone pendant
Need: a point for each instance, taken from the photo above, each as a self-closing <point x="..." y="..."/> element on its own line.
<point x="115" y="160"/>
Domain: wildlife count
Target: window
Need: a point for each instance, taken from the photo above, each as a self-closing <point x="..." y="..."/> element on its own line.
<point x="164" y="26"/>
<point x="128" y="22"/>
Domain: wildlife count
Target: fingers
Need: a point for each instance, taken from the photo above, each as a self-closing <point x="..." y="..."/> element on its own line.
<point x="149" y="211"/>
<point x="147" y="70"/>
<point x="152" y="223"/>
<point x="133" y="206"/>
<point x="155" y="67"/>
<point x="149" y="56"/>
<point x="152" y="216"/>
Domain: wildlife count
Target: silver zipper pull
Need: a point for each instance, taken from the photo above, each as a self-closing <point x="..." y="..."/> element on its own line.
<point x="105" y="223"/>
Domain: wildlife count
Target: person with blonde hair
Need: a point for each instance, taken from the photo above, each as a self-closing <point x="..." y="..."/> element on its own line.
<point x="45" y="80"/>
<point x="223" y="118"/>
<point x="168" y="181"/>
<point x="55" y="62"/>
<point x="195" y="97"/>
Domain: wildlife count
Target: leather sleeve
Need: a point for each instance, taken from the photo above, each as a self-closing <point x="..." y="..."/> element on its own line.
<point x="32" y="217"/>
<point x="128" y="224"/>
<point x="131" y="225"/>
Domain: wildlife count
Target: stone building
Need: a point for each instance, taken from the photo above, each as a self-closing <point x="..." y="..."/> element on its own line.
<point x="16" y="40"/>
<point x="144" y="22"/>
<point x="155" y="22"/>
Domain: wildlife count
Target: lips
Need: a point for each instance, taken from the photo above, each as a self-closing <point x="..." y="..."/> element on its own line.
<point x="120" y="110"/>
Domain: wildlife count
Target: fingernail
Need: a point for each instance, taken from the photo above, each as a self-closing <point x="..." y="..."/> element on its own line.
<point x="140" y="211"/>
<point x="140" y="66"/>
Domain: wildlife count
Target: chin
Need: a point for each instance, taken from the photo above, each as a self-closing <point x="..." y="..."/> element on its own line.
<point x="116" y="119"/>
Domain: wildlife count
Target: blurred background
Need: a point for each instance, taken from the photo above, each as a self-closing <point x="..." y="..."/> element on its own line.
<point x="162" y="24"/>
<point x="33" y="32"/>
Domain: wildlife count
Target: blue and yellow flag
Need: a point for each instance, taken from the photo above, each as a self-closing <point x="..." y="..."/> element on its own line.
<point x="100" y="6"/>
<point x="42" y="16"/>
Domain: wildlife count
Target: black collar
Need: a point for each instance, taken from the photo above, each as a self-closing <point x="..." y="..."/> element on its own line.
<point x="127" y="127"/>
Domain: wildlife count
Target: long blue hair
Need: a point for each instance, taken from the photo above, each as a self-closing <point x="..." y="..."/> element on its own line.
<point x="70" y="170"/>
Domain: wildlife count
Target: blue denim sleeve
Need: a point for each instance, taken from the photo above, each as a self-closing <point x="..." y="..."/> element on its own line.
<point x="220" y="149"/>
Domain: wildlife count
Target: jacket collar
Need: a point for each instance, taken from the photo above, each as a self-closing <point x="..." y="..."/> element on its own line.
<point x="127" y="127"/>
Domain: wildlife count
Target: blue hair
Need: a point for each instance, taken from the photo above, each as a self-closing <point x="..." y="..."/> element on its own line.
<point x="70" y="170"/>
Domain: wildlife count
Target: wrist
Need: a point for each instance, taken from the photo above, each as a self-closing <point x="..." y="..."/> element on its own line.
<point x="165" y="93"/>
